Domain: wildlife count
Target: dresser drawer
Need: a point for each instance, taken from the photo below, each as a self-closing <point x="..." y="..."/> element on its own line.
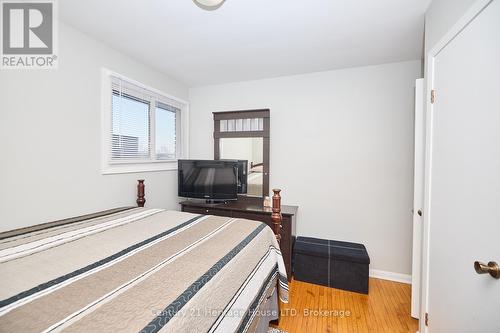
<point x="206" y="211"/>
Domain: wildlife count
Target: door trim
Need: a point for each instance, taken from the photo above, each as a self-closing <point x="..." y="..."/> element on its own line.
<point x="418" y="197"/>
<point x="461" y="24"/>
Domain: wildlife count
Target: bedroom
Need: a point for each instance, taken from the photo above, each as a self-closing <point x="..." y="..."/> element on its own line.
<point x="348" y="137"/>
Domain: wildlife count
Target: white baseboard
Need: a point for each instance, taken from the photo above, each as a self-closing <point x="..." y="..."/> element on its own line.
<point x="391" y="276"/>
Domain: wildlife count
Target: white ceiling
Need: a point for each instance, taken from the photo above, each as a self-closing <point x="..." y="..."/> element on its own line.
<point x="253" y="39"/>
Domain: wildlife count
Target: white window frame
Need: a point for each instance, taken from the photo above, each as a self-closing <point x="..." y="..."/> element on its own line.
<point x="108" y="166"/>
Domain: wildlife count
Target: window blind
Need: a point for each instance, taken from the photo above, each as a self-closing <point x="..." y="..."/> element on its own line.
<point x="130" y="135"/>
<point x="145" y="125"/>
<point x="166" y="121"/>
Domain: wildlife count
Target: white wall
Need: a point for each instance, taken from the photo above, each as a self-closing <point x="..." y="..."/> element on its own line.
<point x="341" y="149"/>
<point x="441" y="16"/>
<point x="50" y="137"/>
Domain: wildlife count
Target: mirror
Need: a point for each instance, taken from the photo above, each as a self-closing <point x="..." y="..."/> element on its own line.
<point x="250" y="150"/>
<point x="244" y="136"/>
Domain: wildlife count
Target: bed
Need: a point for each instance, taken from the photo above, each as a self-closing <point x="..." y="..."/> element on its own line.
<point x="136" y="269"/>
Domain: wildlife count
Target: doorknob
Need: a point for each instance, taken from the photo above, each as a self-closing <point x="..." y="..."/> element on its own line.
<point x="492" y="268"/>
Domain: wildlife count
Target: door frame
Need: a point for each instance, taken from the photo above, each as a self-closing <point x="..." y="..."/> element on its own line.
<point x="418" y="197"/>
<point x="431" y="55"/>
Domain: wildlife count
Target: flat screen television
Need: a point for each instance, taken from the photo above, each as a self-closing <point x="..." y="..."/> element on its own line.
<point x="208" y="179"/>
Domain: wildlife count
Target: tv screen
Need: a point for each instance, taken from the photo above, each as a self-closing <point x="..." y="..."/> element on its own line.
<point x="205" y="179"/>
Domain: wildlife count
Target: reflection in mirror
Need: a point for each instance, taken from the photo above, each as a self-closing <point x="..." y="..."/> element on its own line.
<point x="250" y="150"/>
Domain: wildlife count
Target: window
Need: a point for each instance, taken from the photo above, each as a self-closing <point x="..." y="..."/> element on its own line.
<point x="130" y="127"/>
<point x="166" y="129"/>
<point x="142" y="128"/>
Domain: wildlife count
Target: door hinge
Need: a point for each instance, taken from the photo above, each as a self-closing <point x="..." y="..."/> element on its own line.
<point x="426" y="319"/>
<point x="433" y="96"/>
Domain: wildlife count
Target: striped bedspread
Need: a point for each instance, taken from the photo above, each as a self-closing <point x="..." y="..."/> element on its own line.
<point x="140" y="270"/>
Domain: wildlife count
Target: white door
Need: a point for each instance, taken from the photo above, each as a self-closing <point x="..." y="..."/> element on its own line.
<point x="464" y="183"/>
<point x="418" y="197"/>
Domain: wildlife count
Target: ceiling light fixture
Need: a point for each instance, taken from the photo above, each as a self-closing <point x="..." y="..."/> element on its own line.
<point x="209" y="4"/>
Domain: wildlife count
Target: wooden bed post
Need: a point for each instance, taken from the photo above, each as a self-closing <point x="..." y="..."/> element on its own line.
<point x="141" y="200"/>
<point x="276" y="217"/>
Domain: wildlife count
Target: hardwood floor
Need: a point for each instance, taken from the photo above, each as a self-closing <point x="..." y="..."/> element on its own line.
<point x="386" y="309"/>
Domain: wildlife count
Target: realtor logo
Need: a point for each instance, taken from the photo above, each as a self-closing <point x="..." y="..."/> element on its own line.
<point x="28" y="34"/>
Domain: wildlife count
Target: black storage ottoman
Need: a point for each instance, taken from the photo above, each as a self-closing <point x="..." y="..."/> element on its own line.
<point x="330" y="263"/>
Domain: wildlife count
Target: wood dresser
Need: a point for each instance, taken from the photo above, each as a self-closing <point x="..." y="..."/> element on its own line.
<point x="252" y="209"/>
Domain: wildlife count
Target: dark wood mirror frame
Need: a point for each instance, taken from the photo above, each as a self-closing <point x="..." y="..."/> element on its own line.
<point x="264" y="134"/>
